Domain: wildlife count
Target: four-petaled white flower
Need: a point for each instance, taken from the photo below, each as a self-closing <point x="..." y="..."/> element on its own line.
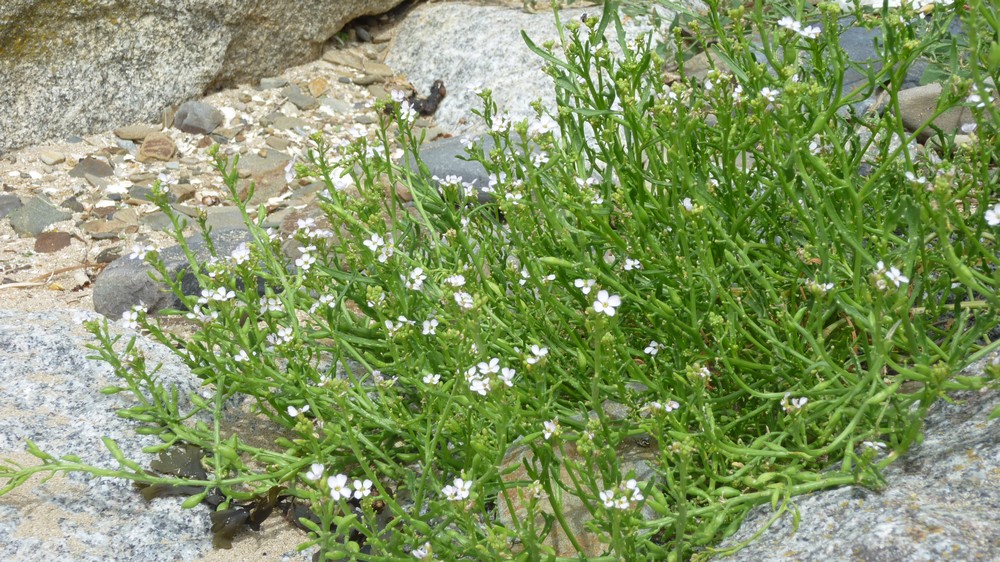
<point x="305" y="261"/>
<point x="130" y="318"/>
<point x="653" y="348"/>
<point x="139" y="251"/>
<point x="993" y="215"/>
<point x="430" y="327"/>
<point x="458" y="490"/>
<point x="893" y="275"/>
<point x="221" y="294"/>
<point x="315" y="471"/>
<point x="608" y="498"/>
<point x="362" y="488"/>
<point x="455" y="280"/>
<point x="631" y="264"/>
<point x="606" y="303"/>
<point x="432" y="379"/>
<point x="550" y="428"/>
<point x="338" y="487"/>
<point x="769" y="94"/>
<point x="789" y="23"/>
<point x="375" y="242"/>
<point x="240" y="255"/>
<point x="507" y="376"/>
<point x="416" y="279"/>
<point x="537" y="353"/>
<point x="294" y="412"/>
<point x="491" y="368"/>
<point x="585" y="285"/>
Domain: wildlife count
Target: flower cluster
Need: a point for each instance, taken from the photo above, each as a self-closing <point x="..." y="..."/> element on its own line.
<point x="885" y="277"/>
<point x="480" y="377"/>
<point x="791" y="405"/>
<point x="623" y="497"/>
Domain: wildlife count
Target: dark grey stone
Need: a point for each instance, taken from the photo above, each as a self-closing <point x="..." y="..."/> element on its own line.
<point x="126" y="282"/>
<point x="272" y="83"/>
<point x="197" y="118"/>
<point x="301" y="100"/>
<point x="9" y="203"/>
<point x="91" y="166"/>
<point x="73" y="204"/>
<point x="942" y="501"/>
<point x="36" y="215"/>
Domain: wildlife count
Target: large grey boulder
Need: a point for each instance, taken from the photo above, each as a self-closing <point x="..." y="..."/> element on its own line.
<point x="468" y="45"/>
<point x="942" y="501"/>
<point x="71" y="68"/>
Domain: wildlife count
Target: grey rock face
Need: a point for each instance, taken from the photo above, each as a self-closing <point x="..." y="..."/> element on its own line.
<point x="467" y="45"/>
<point x="126" y="282"/>
<point x="942" y="501"/>
<point x="9" y="203"/>
<point x="50" y="393"/>
<point x="73" y="67"/>
<point x="197" y="118"/>
<point x="35" y="215"/>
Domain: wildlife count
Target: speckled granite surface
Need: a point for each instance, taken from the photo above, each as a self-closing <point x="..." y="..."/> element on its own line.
<point x="942" y="502"/>
<point x="49" y="392"/>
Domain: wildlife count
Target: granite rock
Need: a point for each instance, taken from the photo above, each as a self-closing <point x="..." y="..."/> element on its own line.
<point x="445" y="41"/>
<point x="126" y="282"/>
<point x="73" y="68"/>
<point x="941" y="503"/>
<point x="50" y="393"/>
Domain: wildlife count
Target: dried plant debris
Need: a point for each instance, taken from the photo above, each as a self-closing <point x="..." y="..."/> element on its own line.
<point x="185" y="461"/>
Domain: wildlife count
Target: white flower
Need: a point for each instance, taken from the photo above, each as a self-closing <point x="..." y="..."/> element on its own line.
<point x="536" y="354"/>
<point x="633" y="487"/>
<point x="240" y="255"/>
<point x="200" y="316"/>
<point x="608" y="498"/>
<point x="491" y="368"/>
<point x="220" y="295"/>
<point x="818" y="288"/>
<point x="375" y="242"/>
<point x="130" y="318"/>
<point x="810" y="32"/>
<point x="670" y="406"/>
<point x="338" y="487"/>
<point x="993" y="215"/>
<point x="507" y="376"/>
<point x="430" y="327"/>
<point x="362" y="488"/>
<point x="457" y="491"/>
<point x="455" y="280"/>
<point x="140" y="251"/>
<point x="585" y="285"/>
<point x="687" y="204"/>
<point x="386" y="253"/>
<point x="550" y="428"/>
<point x="241" y="356"/>
<point x="305" y="261"/>
<point x="422" y="552"/>
<point x="397" y="96"/>
<point x="406" y="112"/>
<point x="544" y="125"/>
<point x="893" y="275"/>
<point x="294" y="412"/>
<point x="631" y="264"/>
<point x="464" y="300"/>
<point x="315" y="471"/>
<point x="416" y="279"/>
<point x="793" y="404"/>
<point x="607" y="303"/>
<point x="539" y="158"/>
<point x="479" y="385"/>
<point x="432" y="379"/>
<point x="769" y="94"/>
<point x="653" y="348"/>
